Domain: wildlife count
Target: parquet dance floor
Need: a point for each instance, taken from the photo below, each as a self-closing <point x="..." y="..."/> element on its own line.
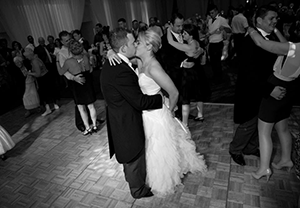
<point x="54" y="165"/>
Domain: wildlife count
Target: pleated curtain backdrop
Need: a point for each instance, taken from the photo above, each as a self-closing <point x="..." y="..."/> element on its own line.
<point x="40" y="18"/>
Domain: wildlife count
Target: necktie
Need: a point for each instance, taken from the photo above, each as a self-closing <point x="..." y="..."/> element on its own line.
<point x="180" y="40"/>
<point x="48" y="55"/>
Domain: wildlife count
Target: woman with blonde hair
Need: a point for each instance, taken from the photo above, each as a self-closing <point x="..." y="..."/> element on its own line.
<point x="170" y="151"/>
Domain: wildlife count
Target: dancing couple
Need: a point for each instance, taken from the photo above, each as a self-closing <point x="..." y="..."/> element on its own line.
<point x="155" y="149"/>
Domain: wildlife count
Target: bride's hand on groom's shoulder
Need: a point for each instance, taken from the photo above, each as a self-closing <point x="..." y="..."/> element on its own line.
<point x="113" y="57"/>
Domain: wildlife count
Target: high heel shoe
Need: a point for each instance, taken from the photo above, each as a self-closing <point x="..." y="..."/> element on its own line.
<point x="87" y="131"/>
<point x="266" y="173"/>
<point x="95" y="129"/>
<point x="289" y="165"/>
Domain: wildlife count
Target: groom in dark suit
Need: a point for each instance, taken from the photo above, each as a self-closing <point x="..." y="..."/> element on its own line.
<point x="255" y="67"/>
<point x="125" y="103"/>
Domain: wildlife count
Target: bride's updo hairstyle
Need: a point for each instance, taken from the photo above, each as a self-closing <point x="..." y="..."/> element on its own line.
<point x="151" y="37"/>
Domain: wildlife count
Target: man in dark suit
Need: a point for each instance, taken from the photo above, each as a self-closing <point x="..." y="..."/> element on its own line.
<point x="255" y="67"/>
<point x="125" y="103"/>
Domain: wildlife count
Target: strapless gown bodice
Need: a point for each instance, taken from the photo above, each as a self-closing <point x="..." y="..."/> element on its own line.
<point x="148" y="85"/>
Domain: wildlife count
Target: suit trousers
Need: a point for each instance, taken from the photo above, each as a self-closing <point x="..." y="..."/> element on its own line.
<point x="135" y="175"/>
<point x="245" y="140"/>
<point x="215" y="53"/>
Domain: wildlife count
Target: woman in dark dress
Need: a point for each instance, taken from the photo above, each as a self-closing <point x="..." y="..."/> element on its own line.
<point x="194" y="85"/>
<point x="83" y="93"/>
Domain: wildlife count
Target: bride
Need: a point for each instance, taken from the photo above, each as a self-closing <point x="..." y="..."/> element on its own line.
<point x="170" y="151"/>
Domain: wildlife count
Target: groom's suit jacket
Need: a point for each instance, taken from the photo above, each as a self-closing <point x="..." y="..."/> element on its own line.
<point x="255" y="67"/>
<point x="125" y="103"/>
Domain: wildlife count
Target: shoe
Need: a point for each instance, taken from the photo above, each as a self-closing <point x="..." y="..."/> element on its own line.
<point x="255" y="153"/>
<point x="266" y="173"/>
<point x="95" y="129"/>
<point x="56" y="107"/>
<point x="27" y="114"/>
<point x="197" y="118"/>
<point x="87" y="131"/>
<point x="238" y="158"/>
<point x="3" y="157"/>
<point x="289" y="165"/>
<point x="149" y="194"/>
<point x="47" y="112"/>
<point x="191" y="116"/>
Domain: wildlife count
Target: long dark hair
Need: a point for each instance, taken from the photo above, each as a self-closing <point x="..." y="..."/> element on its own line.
<point x="192" y="30"/>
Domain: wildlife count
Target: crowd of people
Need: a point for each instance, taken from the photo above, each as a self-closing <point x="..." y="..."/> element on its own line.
<point x="151" y="74"/>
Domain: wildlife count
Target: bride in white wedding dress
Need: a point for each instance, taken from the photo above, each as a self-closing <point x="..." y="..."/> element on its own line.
<point x="170" y="151"/>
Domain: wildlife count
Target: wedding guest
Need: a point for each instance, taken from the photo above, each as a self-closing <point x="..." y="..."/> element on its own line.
<point x="255" y="68"/>
<point x="82" y="89"/>
<point x="275" y="110"/>
<point x="78" y="36"/>
<point x="17" y="49"/>
<point x="194" y="86"/>
<point x="30" y="98"/>
<point x="219" y="24"/>
<point x="122" y="23"/>
<point x="40" y="71"/>
<point x="30" y="44"/>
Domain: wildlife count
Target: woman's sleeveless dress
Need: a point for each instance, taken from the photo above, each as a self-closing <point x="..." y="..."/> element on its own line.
<point x="170" y="152"/>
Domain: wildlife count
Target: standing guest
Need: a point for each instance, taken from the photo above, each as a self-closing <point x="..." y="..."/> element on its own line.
<point x="125" y="103"/>
<point x="58" y="46"/>
<point x="216" y="27"/>
<point x="275" y="110"/>
<point x="6" y="143"/>
<point x="42" y="52"/>
<point x="30" y="44"/>
<point x="105" y="45"/>
<point x="44" y="80"/>
<point x="135" y="28"/>
<point x="122" y="23"/>
<point x="30" y="98"/>
<point x="98" y="34"/>
<point x="51" y="44"/>
<point x="194" y="86"/>
<point x="256" y="66"/>
<point x="174" y="60"/>
<point x="78" y="36"/>
<point x="239" y="27"/>
<point x="82" y="89"/>
<point x="154" y="25"/>
<point x="17" y="49"/>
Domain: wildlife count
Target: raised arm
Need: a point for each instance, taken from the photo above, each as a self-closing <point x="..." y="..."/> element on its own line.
<point x="179" y="46"/>
<point x="268" y="45"/>
<point x="280" y="36"/>
<point x="164" y="81"/>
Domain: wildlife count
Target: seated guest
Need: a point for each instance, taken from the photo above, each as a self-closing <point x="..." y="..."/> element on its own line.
<point x="82" y="89"/>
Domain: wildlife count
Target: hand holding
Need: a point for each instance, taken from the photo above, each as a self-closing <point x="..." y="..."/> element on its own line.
<point x="79" y="79"/>
<point x="278" y="92"/>
<point x="186" y="64"/>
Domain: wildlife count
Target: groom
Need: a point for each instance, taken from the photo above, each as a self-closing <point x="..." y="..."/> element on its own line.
<point x="125" y="103"/>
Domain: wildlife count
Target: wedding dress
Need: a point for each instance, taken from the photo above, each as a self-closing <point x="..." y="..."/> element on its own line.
<point x="170" y="151"/>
